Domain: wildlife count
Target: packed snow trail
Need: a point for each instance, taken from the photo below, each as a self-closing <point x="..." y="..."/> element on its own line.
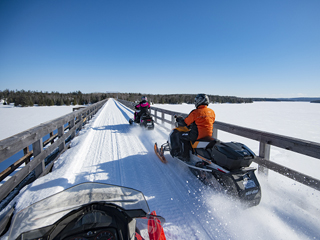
<point x="109" y="150"/>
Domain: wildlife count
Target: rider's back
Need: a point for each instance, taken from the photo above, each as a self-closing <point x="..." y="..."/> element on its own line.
<point x="204" y="118"/>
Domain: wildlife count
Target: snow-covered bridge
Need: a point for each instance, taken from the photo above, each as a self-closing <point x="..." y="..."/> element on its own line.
<point x="109" y="150"/>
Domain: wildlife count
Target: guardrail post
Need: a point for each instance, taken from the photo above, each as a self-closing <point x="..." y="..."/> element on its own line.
<point x="25" y="152"/>
<point x="162" y="117"/>
<point x="172" y="121"/>
<point x="215" y="133"/>
<point x="71" y="125"/>
<point x="264" y="153"/>
<point x="37" y="149"/>
<point x="60" y="134"/>
<point x="155" y="116"/>
<point x="51" y="135"/>
<point x="85" y="119"/>
<point x="80" y="120"/>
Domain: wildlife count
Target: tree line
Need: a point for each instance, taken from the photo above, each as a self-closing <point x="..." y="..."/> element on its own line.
<point x="31" y="98"/>
<point x="178" y="98"/>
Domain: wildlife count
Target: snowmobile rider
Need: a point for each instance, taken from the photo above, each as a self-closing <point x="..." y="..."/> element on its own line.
<point x="200" y="122"/>
<point x="141" y="108"/>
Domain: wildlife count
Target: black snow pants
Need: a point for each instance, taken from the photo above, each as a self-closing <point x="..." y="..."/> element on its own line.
<point x="180" y="145"/>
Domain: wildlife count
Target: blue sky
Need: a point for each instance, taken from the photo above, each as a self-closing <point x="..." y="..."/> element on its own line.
<point x="238" y="48"/>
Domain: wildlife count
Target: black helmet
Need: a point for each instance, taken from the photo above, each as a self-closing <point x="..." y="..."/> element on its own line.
<point x="201" y="99"/>
<point x="144" y="98"/>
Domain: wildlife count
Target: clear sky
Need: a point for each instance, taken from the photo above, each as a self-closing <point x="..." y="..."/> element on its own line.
<point x="238" y="48"/>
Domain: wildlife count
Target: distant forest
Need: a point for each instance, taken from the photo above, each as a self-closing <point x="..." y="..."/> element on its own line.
<point x="178" y="98"/>
<point x="31" y="98"/>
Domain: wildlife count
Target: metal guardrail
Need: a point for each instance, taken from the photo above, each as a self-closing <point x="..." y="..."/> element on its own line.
<point x="308" y="148"/>
<point x="40" y="160"/>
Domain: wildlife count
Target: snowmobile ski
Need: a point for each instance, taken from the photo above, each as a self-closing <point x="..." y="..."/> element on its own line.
<point x="159" y="153"/>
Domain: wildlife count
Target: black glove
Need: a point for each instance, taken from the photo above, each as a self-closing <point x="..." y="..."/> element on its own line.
<point x="179" y="119"/>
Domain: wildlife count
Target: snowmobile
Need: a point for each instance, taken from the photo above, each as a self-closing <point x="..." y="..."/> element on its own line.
<point x="222" y="165"/>
<point x="89" y="211"/>
<point x="145" y="121"/>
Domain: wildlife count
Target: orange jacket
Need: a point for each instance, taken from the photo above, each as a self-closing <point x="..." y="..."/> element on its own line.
<point x="204" y="118"/>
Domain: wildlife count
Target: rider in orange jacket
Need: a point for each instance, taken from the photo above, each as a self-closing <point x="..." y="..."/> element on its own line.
<point x="200" y="121"/>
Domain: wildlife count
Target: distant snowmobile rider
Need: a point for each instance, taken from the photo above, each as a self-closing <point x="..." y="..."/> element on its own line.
<point x="141" y="108"/>
<point x="200" y="122"/>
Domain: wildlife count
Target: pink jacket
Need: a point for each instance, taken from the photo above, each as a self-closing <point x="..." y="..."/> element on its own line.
<point x="143" y="104"/>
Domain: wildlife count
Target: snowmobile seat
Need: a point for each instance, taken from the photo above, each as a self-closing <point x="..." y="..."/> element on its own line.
<point x="204" y="146"/>
<point x="207" y="142"/>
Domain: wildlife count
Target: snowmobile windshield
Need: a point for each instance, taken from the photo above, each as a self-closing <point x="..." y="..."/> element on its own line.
<point x="49" y="210"/>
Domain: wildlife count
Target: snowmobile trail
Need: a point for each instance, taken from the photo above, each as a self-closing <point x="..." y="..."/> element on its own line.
<point x="109" y="150"/>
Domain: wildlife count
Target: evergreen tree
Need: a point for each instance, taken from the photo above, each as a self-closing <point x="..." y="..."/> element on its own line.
<point x="59" y="102"/>
<point x="49" y="102"/>
<point x="67" y="102"/>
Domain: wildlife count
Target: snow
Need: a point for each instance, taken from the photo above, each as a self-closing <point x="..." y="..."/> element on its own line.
<point x="109" y="150"/>
<point x="22" y="118"/>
